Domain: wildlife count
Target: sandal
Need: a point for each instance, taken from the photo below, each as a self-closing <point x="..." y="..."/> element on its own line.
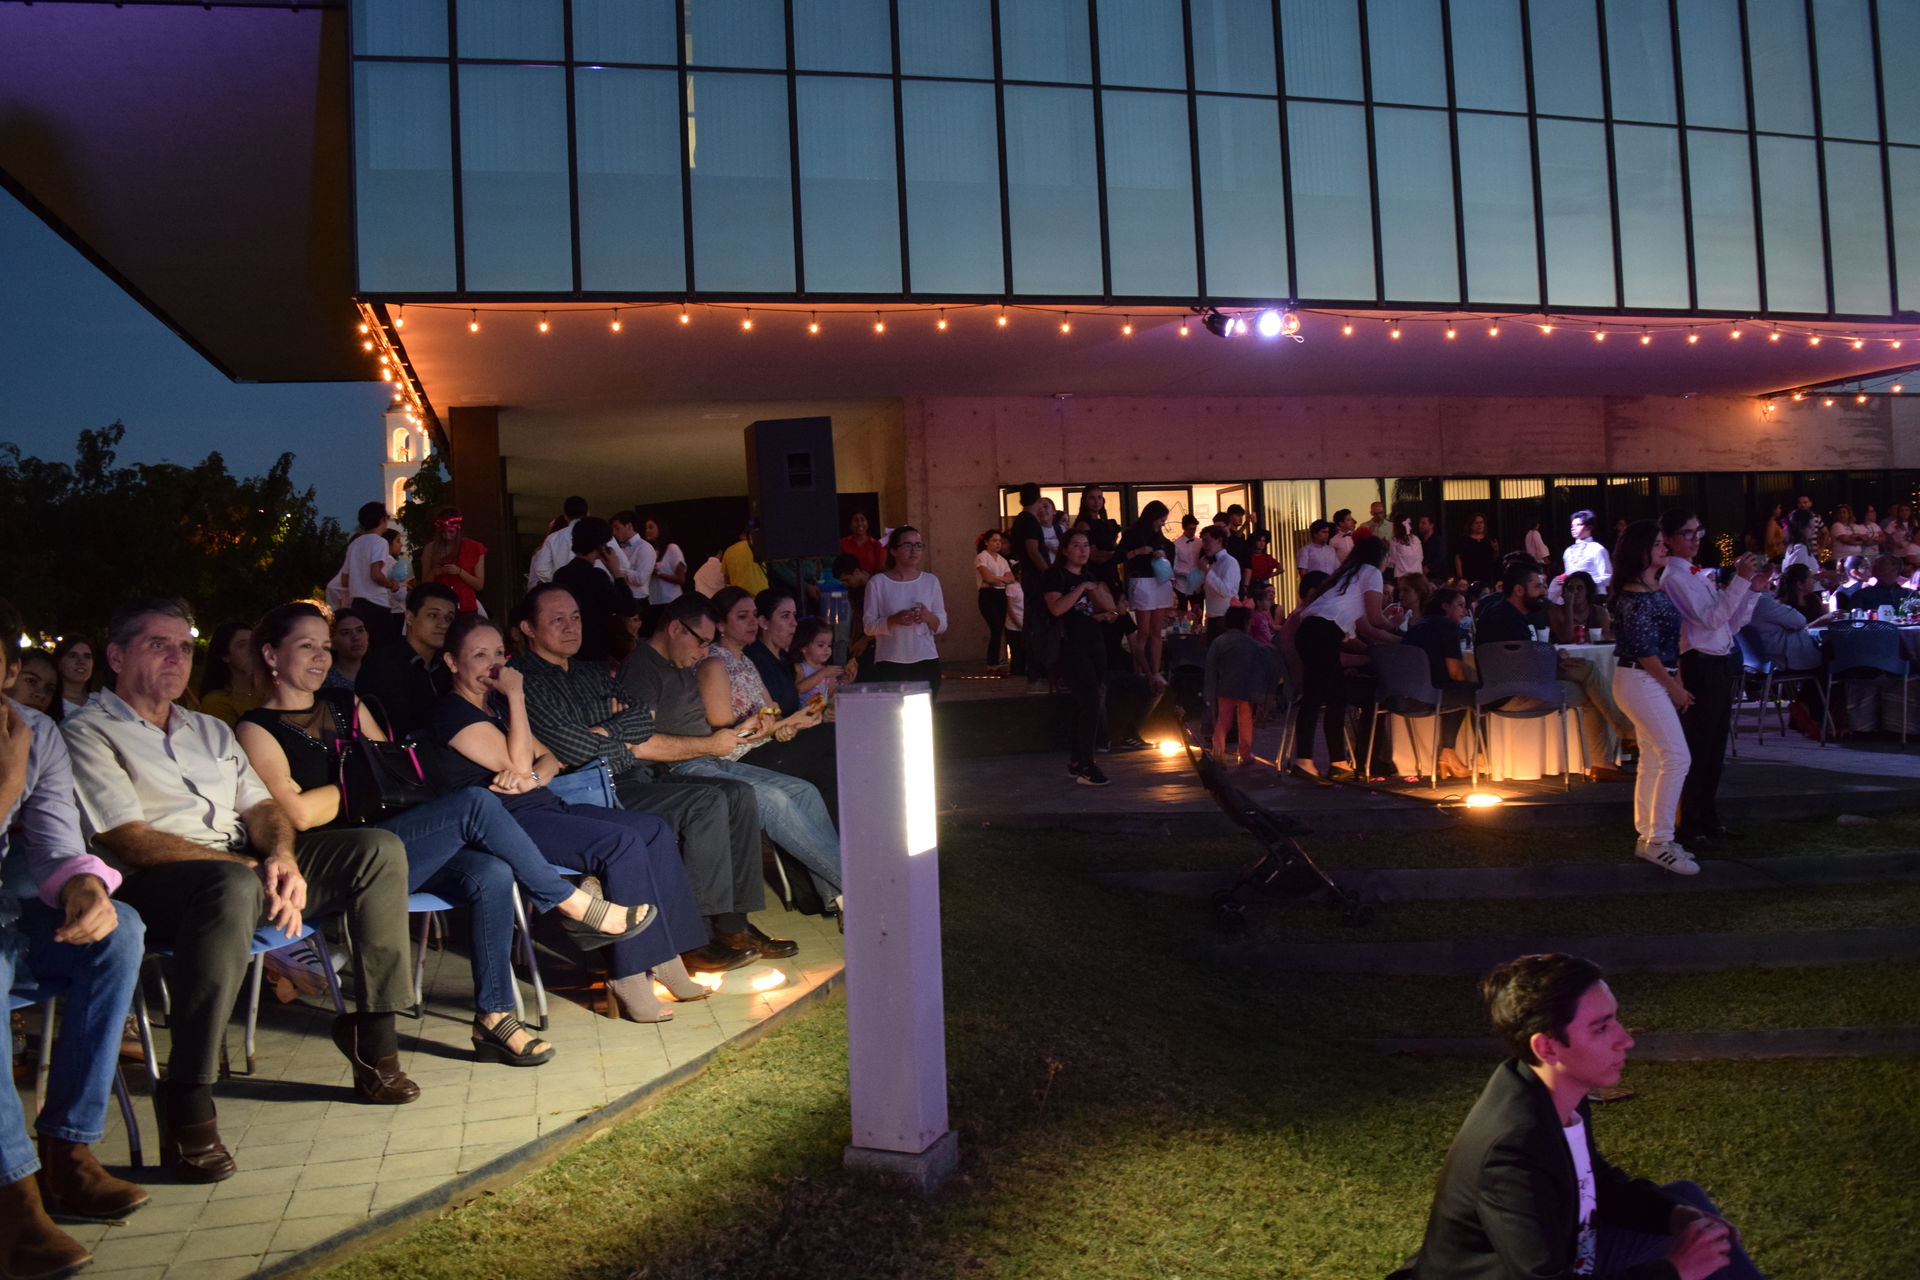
<point x="590" y="931"/>
<point x="495" y="1043"/>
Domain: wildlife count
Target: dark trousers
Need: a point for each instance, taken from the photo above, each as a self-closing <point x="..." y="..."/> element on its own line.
<point x="927" y="673"/>
<point x="383" y="624"/>
<point x="1041" y="630"/>
<point x="1323" y="689"/>
<point x="1709" y="678"/>
<point x="718" y="823"/>
<point x="206" y="914"/>
<point x="993" y="607"/>
<point x="1086" y="682"/>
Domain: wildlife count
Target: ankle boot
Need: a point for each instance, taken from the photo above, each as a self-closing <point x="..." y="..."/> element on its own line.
<point x="31" y="1247"/>
<point x="73" y="1184"/>
<point x="190" y="1149"/>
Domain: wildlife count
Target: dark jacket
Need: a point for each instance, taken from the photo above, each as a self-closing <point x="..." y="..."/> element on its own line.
<point x="401" y="687"/>
<point x="1507" y="1207"/>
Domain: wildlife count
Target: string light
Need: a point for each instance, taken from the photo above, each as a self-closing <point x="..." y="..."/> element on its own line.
<point x="1735" y="334"/>
<point x="1346" y="330"/>
<point x="879" y="325"/>
<point x="1813" y="339"/>
<point x="1895" y="388"/>
<point x="1449" y="333"/>
<point x="1185" y="328"/>
<point x="1828" y="402"/>
<point x="941" y="323"/>
<point x="366" y="345"/>
<point x="543" y="326"/>
<point x="1774" y="336"/>
<point x="1692" y="338"/>
<point x="1896" y="344"/>
<point x="363" y="327"/>
<point x="1493" y="331"/>
<point x="1066" y="325"/>
<point x="1546" y="328"/>
<point x="746" y="321"/>
<point x="684" y="317"/>
<point x="614" y="324"/>
<point x="1861" y="398"/>
<point x="1599" y="335"/>
<point x="1646" y="339"/>
<point x="400" y="317"/>
<point x="473" y="322"/>
<point x="1126" y="329"/>
<point x="1799" y="395"/>
<point x="1857" y="344"/>
<point x="813" y="322"/>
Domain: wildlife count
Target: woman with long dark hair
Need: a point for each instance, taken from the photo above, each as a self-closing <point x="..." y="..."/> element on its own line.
<point x="1352" y="603"/>
<point x="229" y="683"/>
<point x="1146" y="556"/>
<point x="1646" y="685"/>
<point x="993" y="575"/>
<point x="74" y="657"/>
<point x="1079" y="603"/>
<point x="1477" y="558"/>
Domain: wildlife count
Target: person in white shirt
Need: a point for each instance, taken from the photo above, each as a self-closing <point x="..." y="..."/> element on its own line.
<point x="1186" y="556"/>
<point x="1709" y="664"/>
<point x="1536" y="547"/>
<point x="640" y="557"/>
<point x="993" y="575"/>
<point x="1222" y="582"/>
<point x="1351" y="603"/>
<point x="1377" y="523"/>
<point x="558" y="547"/>
<point x="1342" y="539"/>
<point x="669" y="566"/>
<point x="1405" y="555"/>
<point x="1586" y="555"/>
<point x="1317" y="553"/>
<point x="369" y="589"/>
<point x="904" y="610"/>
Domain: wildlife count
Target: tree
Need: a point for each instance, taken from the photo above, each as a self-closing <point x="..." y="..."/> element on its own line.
<point x="81" y="538"/>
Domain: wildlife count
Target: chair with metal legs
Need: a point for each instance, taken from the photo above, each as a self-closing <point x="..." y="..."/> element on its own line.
<point x="47" y="996"/>
<point x="1406" y="689"/>
<point x="265" y="939"/>
<point x="1526" y="669"/>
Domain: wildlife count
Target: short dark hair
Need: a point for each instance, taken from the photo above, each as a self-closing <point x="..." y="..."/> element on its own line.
<point x="573" y="508"/>
<point x="726" y="598"/>
<point x="425" y="591"/>
<point x="463" y="626"/>
<point x="1536" y="995"/>
<point x="1235" y="509"/>
<point x="1584" y="517"/>
<point x="629" y="518"/>
<point x="1672" y="519"/>
<point x="124" y="625"/>
<point x="590" y="533"/>
<point x="529" y="607"/>
<point x="1218" y="532"/>
<point x="1029" y="494"/>
<point x="1516" y="574"/>
<point x="1189" y="518"/>
<point x="371" y="514"/>
<point x="769" y="600"/>
<point x="1236" y="617"/>
<point x="1312" y="581"/>
<point x="1317" y="526"/>
<point x="686" y="609"/>
<point x="1437" y="603"/>
<point x="1341" y="514"/>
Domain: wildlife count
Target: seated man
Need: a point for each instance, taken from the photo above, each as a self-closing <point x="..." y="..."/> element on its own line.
<point x="58" y="929"/>
<point x="1509" y="618"/>
<point x="1524" y="1190"/>
<point x="168" y="798"/>
<point x="578" y="713"/>
<point x="401" y="682"/>
<point x="660" y="675"/>
<point x="1883" y="589"/>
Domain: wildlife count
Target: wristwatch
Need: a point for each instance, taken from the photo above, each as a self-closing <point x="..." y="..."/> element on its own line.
<point x="534" y="774"/>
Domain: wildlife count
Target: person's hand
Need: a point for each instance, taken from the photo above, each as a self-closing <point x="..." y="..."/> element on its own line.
<point x="849" y="671"/>
<point x="905" y="617"/>
<point x="1701" y="1248"/>
<point x="616" y="706"/>
<point x="286" y="892"/>
<point x="721" y="742"/>
<point x="90" y="912"/>
<point x="509" y="681"/>
<point x="1681" y="698"/>
<point x="16" y="741"/>
<point x="511" y="782"/>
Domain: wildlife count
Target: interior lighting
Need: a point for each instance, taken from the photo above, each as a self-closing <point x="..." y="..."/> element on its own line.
<point x="1799" y="395"/>
<point x="1546" y="328"/>
<point x="1858" y="343"/>
<point x="1774" y="336"/>
<point x="543" y="326"/>
<point x="1493" y="331"/>
<point x="1692" y="338"/>
<point x="1828" y="402"/>
<point x="363" y="326"/>
<point x="1185" y="328"/>
<point x="1734" y="334"/>
<point x="1220" y="324"/>
<point x="367" y="345"/>
<point x="1449" y="333"/>
<point x="1066" y="325"/>
<point x="1861" y="398"/>
<point x="1813" y="339"/>
<point x="1002" y="320"/>
<point x="684" y="317"/>
<point x="400" y="318"/>
<point x="473" y="322"/>
<point x="1346" y="330"/>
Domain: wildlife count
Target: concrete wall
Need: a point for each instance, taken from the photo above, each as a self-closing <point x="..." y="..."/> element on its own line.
<point x="959" y="451"/>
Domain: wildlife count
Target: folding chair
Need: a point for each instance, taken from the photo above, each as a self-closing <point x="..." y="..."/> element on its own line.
<point x="1528" y="669"/>
<point x="46" y="996"/>
<point x="1406" y="689"/>
<point x="265" y="939"/>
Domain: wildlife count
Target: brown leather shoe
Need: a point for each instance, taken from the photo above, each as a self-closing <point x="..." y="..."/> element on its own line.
<point x="760" y="944"/>
<point x="192" y="1152"/>
<point x="31" y="1247"/>
<point x="73" y="1184"/>
<point x="718" y="957"/>
<point x="381" y="1081"/>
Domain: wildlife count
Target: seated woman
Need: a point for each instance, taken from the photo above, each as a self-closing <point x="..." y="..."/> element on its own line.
<point x="1577" y="619"/>
<point x="731" y="684"/>
<point x="482" y="724"/>
<point x="229" y="683"/>
<point x="38" y="684"/>
<point x="462" y="847"/>
<point x="74" y="657"/>
<point x="1437" y="634"/>
<point x="813" y="753"/>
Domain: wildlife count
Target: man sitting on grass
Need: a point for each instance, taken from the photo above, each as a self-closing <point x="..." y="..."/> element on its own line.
<point x="1524" y="1192"/>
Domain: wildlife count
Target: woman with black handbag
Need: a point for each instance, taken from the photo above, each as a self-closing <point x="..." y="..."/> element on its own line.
<point x="304" y="741"/>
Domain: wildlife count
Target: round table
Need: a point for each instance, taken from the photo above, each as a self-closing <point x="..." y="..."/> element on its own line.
<point x="1517" y="750"/>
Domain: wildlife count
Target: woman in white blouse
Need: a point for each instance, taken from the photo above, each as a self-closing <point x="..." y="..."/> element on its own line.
<point x="904" y="611"/>
<point x="1869" y="532"/>
<point x="1844" y="537"/>
<point x="993" y="576"/>
<point x="1404" y="552"/>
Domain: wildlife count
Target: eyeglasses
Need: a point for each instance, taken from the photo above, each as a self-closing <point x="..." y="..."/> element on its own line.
<point x="1692" y="533"/>
<point x="908" y="546"/>
<point x="704" y="639"/>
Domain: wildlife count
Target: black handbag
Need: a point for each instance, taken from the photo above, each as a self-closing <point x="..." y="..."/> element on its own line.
<point x="377" y="779"/>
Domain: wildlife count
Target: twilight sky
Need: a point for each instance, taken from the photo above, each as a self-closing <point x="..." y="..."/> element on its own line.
<point x="77" y="352"/>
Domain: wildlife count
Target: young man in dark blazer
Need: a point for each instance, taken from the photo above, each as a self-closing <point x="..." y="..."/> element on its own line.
<point x="1524" y="1193"/>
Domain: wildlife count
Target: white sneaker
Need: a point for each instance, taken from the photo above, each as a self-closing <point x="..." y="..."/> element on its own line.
<point x="1670" y="856"/>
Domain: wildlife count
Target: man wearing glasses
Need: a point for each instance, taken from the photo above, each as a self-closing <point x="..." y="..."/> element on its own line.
<point x="1709" y="664"/>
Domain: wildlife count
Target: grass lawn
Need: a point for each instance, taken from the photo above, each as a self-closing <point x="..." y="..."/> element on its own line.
<point x="1126" y="1109"/>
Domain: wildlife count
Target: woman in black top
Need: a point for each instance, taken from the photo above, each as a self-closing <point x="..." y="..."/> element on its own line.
<point x="1143" y="547"/>
<point x="485" y="740"/>
<point x="1477" y="559"/>
<point x="1079" y="605"/>
<point x="462" y="847"/>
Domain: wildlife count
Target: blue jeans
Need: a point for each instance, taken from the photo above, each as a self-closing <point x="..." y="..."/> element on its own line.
<point x="1621" y="1248"/>
<point x="95" y="982"/>
<point x="791" y="812"/>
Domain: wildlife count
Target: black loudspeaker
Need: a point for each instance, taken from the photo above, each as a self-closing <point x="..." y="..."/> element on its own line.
<point x="791" y="488"/>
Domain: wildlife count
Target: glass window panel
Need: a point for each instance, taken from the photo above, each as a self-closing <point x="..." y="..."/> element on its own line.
<point x="1233" y="46"/>
<point x="1489" y="66"/>
<point x="1905" y="167"/>
<point x="946" y="38"/>
<point x="842" y="35"/>
<point x="1242" y="198"/>
<point x="849" y="201"/>
<point x="1857" y="229"/>
<point x="509" y="29"/>
<point x="1332" y="206"/>
<point x="1720" y="173"/>
<point x="1577" y="214"/>
<point x="1565" y="35"/>
<point x="737" y="33"/>
<point x="1406" y="52"/>
<point x="1045" y="40"/>
<point x="1790" y="225"/>
<point x="1496" y="192"/>
<point x="742" y="183"/>
<point x="953" y="188"/>
<point x="1418" y="254"/>
<point x="400" y="28"/>
<point x="1899" y="35"/>
<point x="1843" y="39"/>
<point x="1653" y="231"/>
<point x="1141" y="43"/>
<point x="514" y="205"/>
<point x="1051" y="193"/>
<point x="1640" y="59"/>
<point x="1149" y="194"/>
<point x="1777" y="51"/>
<point x="623" y="31"/>
<point x="1713" y="74"/>
<point x="627" y="129"/>
<point x="403" y="176"/>
<point x="1321" y="43"/>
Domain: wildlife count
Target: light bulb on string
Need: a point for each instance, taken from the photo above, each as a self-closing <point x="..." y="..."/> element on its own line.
<point x="1449" y="333"/>
<point x="473" y="322"/>
<point x="1813" y="339"/>
<point x="684" y="317"/>
<point x="1774" y="336"/>
<point x="746" y="321"/>
<point x="366" y="344"/>
<point x="363" y="326"/>
<point x="1126" y="328"/>
<point x="1066" y="325"/>
<point x="813" y="322"/>
<point x="1646" y="339"/>
<point x="879" y="325"/>
<point x="1734" y="333"/>
<point x="1001" y="320"/>
<point x="1692" y="338"/>
<point x="1185" y="328"/>
<point x="543" y="326"/>
<point x="1546" y="329"/>
<point x="400" y="318"/>
<point x="1493" y="331"/>
<point x="1599" y="334"/>
<point x="1858" y="343"/>
<point x="1895" y="388"/>
<point x="614" y="324"/>
<point x="1799" y="396"/>
<point x="1896" y="344"/>
<point x="1861" y="398"/>
<point x="1346" y="330"/>
<point x="941" y="323"/>
<point x="1828" y="402"/>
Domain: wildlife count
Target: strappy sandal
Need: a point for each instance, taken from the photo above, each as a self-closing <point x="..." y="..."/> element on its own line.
<point x="589" y="933"/>
<point x="495" y="1043"/>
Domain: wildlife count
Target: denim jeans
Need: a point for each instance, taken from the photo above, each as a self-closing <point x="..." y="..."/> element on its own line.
<point x="791" y="813"/>
<point x="95" y="983"/>
<point x="1620" y="1249"/>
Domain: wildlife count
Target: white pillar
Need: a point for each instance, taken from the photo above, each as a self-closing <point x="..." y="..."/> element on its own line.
<point x="896" y="1015"/>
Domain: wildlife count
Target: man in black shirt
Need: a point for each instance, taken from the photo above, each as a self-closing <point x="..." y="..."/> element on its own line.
<point x="1433" y="550"/>
<point x="1029" y="554"/>
<point x="1079" y="603"/>
<point x="1884" y="589"/>
<point x="596" y="580"/>
<point x="401" y="682"/>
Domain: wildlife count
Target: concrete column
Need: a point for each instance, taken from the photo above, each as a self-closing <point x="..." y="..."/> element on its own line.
<point x="479" y="490"/>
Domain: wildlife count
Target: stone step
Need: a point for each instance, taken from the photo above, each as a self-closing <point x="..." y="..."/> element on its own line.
<point x="1679" y="953"/>
<point x="1566" y="880"/>
<point x="1704" y="1046"/>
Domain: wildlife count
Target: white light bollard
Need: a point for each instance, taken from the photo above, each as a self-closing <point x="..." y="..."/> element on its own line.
<point x="890" y="861"/>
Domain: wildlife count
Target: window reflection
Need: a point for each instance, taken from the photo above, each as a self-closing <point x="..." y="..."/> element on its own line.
<point x="1653" y="234"/>
<point x="513" y="178"/>
<point x="1640" y="59"/>
<point x="1332" y="208"/>
<point x="1406" y="49"/>
<point x="849" y="201"/>
<point x="1843" y="40"/>
<point x="1052" y="200"/>
<point x="1489" y="71"/>
<point x="403" y="176"/>
<point x="1777" y="51"/>
<point x="1149" y="193"/>
<point x="1141" y="43"/>
<point x="1713" y="72"/>
<point x="1045" y="40"/>
<point x="1321" y="40"/>
<point x="1578" y="226"/>
<point x="742" y="184"/>
<point x="623" y="30"/>
<point x="1496" y="193"/>
<point x="953" y="188"/>
<point x="1233" y="46"/>
<point x="1856" y="228"/>
<point x="1790" y="222"/>
<point x="1565" y="38"/>
<point x="842" y="35"/>
<point x="509" y="29"/>
<point x="1418" y="254"/>
<point x="1242" y="198"/>
<point x="627" y="126"/>
<point x="946" y="38"/>
<point x="1720" y="172"/>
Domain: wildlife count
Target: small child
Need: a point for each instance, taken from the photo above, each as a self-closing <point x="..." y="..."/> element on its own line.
<point x="813" y="673"/>
<point x="1239" y="672"/>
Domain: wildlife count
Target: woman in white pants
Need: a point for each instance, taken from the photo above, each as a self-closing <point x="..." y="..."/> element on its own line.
<point x="1647" y="688"/>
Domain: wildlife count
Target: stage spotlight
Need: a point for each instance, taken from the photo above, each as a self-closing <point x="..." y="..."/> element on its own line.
<point x="1220" y="324"/>
<point x="1270" y="324"/>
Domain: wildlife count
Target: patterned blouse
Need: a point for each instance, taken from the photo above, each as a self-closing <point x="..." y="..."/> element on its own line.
<point x="746" y="691"/>
<point x="1646" y="624"/>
